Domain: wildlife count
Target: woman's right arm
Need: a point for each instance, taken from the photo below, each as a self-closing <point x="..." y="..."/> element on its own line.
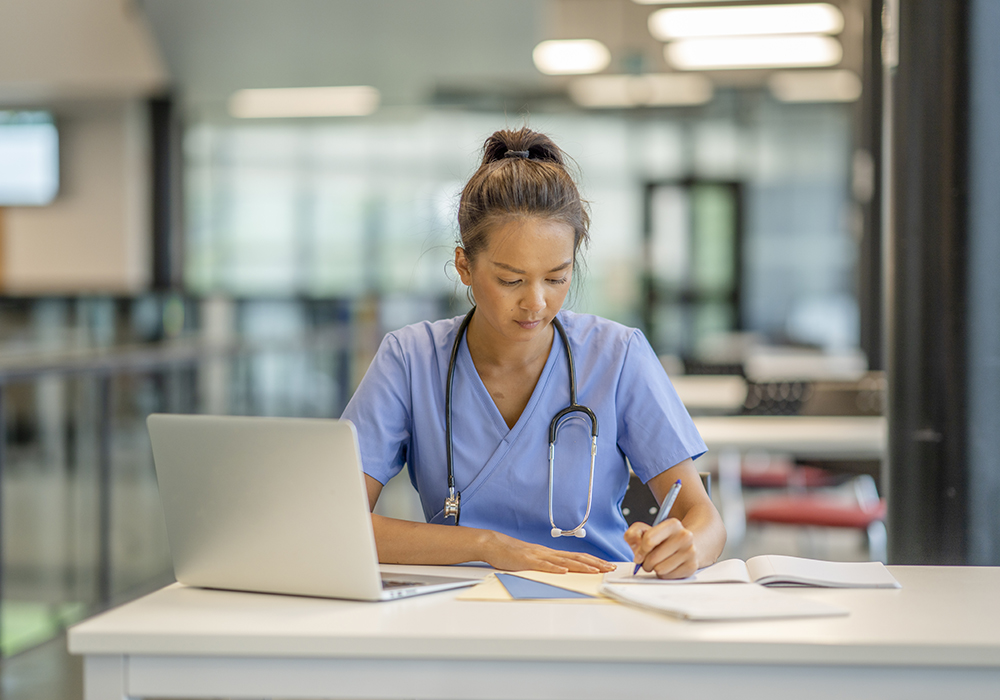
<point x="406" y="542"/>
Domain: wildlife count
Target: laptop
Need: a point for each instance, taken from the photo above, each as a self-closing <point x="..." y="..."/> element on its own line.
<point x="272" y="505"/>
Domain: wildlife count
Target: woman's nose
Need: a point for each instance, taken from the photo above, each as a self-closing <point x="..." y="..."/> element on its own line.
<point x="534" y="300"/>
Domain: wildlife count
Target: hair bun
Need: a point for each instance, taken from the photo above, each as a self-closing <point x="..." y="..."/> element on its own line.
<point x="512" y="144"/>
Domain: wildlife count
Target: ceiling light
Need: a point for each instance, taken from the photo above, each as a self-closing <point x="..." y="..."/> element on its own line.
<point x="815" y="86"/>
<point x="346" y="101"/>
<point x="610" y="91"/>
<point x="677" y="2"/>
<point x="753" y="52"/>
<point x="692" y="22"/>
<point x="571" y="57"/>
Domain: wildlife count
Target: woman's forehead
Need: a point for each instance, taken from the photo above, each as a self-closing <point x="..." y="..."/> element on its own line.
<point x="530" y="239"/>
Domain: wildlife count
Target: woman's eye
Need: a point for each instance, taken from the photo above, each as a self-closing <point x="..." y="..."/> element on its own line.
<point x="561" y="280"/>
<point x="509" y="283"/>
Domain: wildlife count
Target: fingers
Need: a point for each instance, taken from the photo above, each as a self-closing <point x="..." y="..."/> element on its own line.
<point x="653" y="537"/>
<point x="668" y="549"/>
<point x="548" y="567"/>
<point x="578" y="562"/>
<point x="520" y="556"/>
<point x="589" y="565"/>
<point x="680" y="564"/>
<point x="633" y="536"/>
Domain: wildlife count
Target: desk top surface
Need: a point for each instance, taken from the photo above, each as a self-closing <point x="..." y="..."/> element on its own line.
<point x="846" y="437"/>
<point x="943" y="616"/>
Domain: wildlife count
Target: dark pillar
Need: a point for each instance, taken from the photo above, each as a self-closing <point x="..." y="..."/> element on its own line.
<point x="166" y="155"/>
<point x="983" y="307"/>
<point x="925" y="267"/>
<point x="866" y="188"/>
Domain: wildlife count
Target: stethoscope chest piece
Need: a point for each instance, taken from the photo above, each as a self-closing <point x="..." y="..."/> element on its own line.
<point x="453" y="505"/>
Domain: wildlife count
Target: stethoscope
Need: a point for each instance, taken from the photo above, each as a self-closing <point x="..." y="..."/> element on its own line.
<point x="453" y="503"/>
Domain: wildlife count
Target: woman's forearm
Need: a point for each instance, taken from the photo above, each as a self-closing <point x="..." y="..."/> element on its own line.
<point x="407" y="542"/>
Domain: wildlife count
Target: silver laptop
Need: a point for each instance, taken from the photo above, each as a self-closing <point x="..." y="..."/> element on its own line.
<point x="274" y="505"/>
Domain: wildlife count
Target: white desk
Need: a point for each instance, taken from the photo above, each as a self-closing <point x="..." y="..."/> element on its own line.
<point x="816" y="437"/>
<point x="937" y="637"/>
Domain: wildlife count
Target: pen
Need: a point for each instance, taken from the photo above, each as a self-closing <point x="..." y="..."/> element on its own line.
<point x="668" y="503"/>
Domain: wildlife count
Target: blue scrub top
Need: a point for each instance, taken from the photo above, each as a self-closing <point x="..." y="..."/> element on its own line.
<point x="501" y="472"/>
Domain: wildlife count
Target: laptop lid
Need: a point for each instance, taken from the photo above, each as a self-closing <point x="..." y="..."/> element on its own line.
<point x="274" y="505"/>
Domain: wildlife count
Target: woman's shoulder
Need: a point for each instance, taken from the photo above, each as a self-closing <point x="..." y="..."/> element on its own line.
<point x="588" y="328"/>
<point x="426" y="337"/>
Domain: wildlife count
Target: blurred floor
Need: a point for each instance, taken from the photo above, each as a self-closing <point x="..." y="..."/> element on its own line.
<point x="47" y="672"/>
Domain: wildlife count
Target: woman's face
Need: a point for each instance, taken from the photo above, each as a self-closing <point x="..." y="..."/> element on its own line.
<point x="520" y="280"/>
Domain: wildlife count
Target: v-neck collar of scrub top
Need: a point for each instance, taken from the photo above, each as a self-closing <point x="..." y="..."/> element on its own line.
<point x="465" y="364"/>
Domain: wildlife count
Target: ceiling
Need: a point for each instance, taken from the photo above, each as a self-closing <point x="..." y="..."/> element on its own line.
<point x="416" y="52"/>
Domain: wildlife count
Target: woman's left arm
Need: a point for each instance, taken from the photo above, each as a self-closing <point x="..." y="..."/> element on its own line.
<point x="691" y="538"/>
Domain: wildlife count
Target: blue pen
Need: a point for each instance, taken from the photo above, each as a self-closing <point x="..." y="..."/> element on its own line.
<point x="668" y="503"/>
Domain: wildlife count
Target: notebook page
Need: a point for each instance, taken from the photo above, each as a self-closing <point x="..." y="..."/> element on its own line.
<point x="728" y="571"/>
<point x="775" y="569"/>
<point x="725" y="601"/>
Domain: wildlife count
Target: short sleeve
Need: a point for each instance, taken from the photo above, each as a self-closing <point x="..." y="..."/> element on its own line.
<point x="655" y="430"/>
<point x="381" y="410"/>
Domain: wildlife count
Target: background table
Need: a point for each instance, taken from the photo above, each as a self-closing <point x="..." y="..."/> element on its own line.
<point x="939" y="636"/>
<point x="808" y="437"/>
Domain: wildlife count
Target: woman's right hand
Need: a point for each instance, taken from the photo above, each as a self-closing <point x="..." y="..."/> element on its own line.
<point x="509" y="554"/>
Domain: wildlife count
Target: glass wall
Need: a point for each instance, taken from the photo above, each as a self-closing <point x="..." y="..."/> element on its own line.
<point x="367" y="208"/>
<point x="82" y="526"/>
<point x="306" y="241"/>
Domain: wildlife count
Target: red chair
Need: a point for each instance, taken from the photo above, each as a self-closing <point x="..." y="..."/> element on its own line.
<point x="786" y="475"/>
<point x="817" y="510"/>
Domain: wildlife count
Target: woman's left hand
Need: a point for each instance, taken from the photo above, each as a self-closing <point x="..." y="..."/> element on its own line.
<point x="668" y="548"/>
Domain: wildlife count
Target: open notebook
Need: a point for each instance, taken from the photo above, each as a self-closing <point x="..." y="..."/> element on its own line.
<point x="776" y="570"/>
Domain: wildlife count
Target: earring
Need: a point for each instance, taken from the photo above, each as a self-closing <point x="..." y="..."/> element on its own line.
<point x="469" y="296"/>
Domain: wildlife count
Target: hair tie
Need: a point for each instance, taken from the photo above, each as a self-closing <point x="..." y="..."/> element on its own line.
<point x="515" y="154"/>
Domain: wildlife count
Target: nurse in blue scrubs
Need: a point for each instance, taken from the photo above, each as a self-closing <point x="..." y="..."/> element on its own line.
<point x="522" y="225"/>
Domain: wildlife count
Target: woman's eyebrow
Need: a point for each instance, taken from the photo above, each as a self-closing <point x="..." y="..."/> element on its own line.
<point x="516" y="271"/>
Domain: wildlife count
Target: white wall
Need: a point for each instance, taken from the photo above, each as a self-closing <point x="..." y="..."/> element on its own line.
<point x="96" y="235"/>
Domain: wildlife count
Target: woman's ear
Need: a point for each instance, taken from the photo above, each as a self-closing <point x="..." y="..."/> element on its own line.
<point x="463" y="266"/>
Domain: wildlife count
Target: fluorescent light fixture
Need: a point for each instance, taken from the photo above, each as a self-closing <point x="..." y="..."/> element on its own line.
<point x="662" y="90"/>
<point x="734" y="53"/>
<point x="345" y="101"/>
<point x="693" y="22"/>
<point x="571" y="57"/>
<point x="815" y="86"/>
<point x="678" y="2"/>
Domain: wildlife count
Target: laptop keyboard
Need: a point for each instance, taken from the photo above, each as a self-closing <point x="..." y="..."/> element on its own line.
<point x="399" y="583"/>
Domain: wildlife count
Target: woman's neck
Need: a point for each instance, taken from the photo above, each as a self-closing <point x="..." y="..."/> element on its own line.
<point x="488" y="348"/>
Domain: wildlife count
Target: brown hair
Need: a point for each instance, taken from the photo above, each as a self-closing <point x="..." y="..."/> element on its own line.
<point x="523" y="174"/>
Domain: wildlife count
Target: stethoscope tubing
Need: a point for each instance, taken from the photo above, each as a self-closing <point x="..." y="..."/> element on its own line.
<point x="453" y="502"/>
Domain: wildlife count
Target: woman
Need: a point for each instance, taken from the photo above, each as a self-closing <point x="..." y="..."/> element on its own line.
<point x="522" y="224"/>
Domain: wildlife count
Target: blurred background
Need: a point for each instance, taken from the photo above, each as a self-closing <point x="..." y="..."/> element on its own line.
<point x="221" y="206"/>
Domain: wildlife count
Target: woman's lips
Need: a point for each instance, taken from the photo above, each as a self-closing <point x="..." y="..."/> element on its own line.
<point x="528" y="325"/>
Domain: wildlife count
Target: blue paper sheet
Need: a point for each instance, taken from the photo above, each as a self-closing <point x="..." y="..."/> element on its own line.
<point x="525" y="589"/>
